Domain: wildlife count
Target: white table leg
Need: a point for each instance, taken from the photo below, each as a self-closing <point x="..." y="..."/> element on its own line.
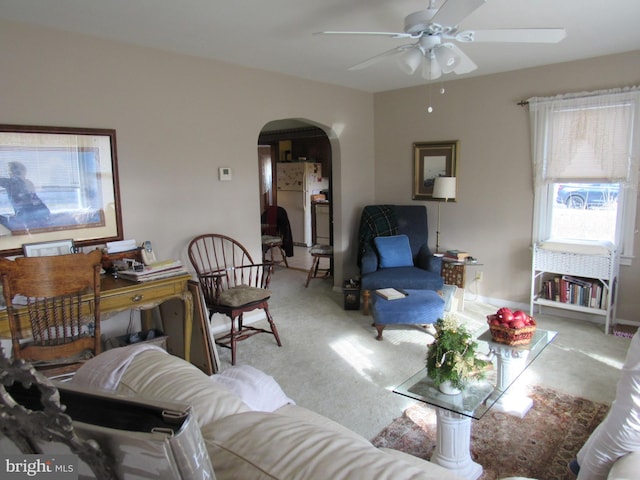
<point x="453" y="444"/>
<point x="511" y="363"/>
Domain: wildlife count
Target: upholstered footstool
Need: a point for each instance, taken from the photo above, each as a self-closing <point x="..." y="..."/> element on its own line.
<point x="419" y="307"/>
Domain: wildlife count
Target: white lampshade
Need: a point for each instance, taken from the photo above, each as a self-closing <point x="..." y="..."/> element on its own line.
<point x="410" y="61"/>
<point x="444" y="187"/>
<point x="447" y="57"/>
<point x="431" y="68"/>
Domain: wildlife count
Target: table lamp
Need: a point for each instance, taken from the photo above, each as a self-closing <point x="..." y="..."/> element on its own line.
<point x="443" y="187"/>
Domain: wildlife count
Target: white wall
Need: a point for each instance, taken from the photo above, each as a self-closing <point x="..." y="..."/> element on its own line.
<point x="492" y="215"/>
<point x="177" y="119"/>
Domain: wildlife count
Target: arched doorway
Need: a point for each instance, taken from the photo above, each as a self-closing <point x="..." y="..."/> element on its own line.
<point x="295" y="164"/>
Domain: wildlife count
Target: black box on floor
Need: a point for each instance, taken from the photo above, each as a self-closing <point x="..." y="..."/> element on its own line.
<point x="351" y="295"/>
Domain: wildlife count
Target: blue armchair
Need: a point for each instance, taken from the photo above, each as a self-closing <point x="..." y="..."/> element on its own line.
<point x="393" y="263"/>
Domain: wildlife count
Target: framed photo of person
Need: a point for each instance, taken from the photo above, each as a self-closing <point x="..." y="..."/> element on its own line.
<point x="58" y="183"/>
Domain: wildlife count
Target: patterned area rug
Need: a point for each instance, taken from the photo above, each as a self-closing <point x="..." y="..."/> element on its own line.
<point x="537" y="446"/>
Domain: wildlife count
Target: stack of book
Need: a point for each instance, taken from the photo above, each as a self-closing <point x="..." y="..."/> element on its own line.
<point x="456" y="255"/>
<point x="155" y="271"/>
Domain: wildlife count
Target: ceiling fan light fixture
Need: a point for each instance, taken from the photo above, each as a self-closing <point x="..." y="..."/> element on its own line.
<point x="431" y="68"/>
<point x="446" y="57"/>
<point x="410" y="61"/>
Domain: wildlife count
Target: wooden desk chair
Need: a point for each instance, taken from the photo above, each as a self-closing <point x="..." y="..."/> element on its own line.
<point x="232" y="284"/>
<point x="65" y="328"/>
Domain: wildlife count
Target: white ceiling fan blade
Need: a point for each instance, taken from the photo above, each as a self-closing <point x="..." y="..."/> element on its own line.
<point x="465" y="64"/>
<point x="383" y="34"/>
<point x="377" y="58"/>
<point x="522" y="35"/>
<point x="453" y="12"/>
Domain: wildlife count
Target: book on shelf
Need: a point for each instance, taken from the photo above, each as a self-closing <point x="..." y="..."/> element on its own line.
<point x="391" y="293"/>
<point x="585" y="292"/>
<point x="457" y="254"/>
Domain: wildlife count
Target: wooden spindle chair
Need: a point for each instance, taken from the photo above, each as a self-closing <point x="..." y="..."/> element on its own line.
<point x="232" y="284"/>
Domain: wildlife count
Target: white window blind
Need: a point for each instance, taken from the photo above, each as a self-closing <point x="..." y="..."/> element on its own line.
<point x="590" y="143"/>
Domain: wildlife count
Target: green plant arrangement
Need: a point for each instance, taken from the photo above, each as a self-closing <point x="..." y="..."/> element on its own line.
<point x="452" y="356"/>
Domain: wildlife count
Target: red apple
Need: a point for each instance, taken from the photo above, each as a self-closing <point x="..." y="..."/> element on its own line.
<point x="505" y="315"/>
<point x="520" y="315"/>
<point x="517" y="324"/>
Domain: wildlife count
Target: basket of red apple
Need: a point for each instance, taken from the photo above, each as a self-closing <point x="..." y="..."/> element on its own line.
<point x="511" y="328"/>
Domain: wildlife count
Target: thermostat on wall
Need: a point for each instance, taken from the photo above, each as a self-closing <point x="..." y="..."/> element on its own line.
<point x="224" y="173"/>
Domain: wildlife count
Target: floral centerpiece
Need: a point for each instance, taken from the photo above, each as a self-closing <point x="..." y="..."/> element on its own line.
<point x="452" y="356"/>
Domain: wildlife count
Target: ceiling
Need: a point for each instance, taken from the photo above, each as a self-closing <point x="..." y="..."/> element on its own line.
<point x="277" y="35"/>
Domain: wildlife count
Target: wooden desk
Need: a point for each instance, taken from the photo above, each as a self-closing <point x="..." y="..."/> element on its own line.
<point x="118" y="295"/>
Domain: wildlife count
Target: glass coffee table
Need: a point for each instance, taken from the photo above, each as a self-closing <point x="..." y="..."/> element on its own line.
<point x="455" y="412"/>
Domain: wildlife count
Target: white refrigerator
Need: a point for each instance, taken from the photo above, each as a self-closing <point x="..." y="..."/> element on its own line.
<point x="296" y="182"/>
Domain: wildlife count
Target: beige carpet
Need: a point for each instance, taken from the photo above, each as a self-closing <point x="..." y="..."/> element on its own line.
<point x="330" y="361"/>
<point x="537" y="446"/>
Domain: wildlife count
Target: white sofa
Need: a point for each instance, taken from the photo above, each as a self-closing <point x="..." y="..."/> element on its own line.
<point x="626" y="468"/>
<point x="290" y="443"/>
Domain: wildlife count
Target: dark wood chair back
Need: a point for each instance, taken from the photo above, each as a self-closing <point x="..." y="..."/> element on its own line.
<point x="232" y="284"/>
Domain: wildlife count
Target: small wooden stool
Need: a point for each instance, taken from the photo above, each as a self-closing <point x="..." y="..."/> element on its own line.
<point x="318" y="252"/>
<point x="271" y="242"/>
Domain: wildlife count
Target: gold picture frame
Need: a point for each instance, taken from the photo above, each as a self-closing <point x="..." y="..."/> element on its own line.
<point x="431" y="160"/>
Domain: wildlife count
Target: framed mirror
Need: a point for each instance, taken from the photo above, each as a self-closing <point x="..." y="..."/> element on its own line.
<point x="58" y="183"/>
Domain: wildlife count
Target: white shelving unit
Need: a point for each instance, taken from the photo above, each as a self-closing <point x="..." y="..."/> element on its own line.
<point x="602" y="265"/>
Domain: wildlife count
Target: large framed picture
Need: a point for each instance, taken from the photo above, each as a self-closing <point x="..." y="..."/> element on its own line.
<point x="58" y="183"/>
<point x="432" y="160"/>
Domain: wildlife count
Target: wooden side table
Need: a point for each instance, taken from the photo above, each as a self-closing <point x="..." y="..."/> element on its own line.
<point x="454" y="272"/>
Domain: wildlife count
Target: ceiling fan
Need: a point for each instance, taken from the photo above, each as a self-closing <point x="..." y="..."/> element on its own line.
<point x="435" y="30"/>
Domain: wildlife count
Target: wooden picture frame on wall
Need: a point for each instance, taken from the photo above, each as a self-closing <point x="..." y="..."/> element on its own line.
<point x="431" y="160"/>
<point x="58" y="183"/>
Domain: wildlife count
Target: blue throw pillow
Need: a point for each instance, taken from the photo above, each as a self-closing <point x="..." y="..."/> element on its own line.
<point x="394" y="251"/>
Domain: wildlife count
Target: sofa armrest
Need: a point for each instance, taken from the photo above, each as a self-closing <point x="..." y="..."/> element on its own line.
<point x="369" y="262"/>
<point x="626" y="467"/>
<point x="427" y="261"/>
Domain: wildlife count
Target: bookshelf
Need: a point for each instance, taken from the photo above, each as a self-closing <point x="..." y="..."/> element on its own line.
<point x="574" y="280"/>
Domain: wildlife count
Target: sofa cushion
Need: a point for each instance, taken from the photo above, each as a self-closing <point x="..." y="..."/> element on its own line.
<point x="626" y="467"/>
<point x="159" y="375"/>
<point x="411" y="278"/>
<point x="394" y="251"/>
<point x="260" y="446"/>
